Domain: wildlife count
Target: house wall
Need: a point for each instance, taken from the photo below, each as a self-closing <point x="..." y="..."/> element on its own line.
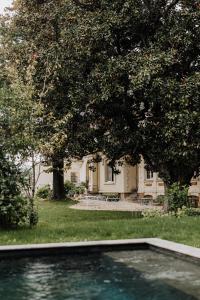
<point x="44" y="178"/>
<point x="149" y="187"/>
<point x="110" y="187"/>
<point x="129" y="180"/>
<point x="155" y="186"/>
<point x="78" y="167"/>
<point x="194" y="189"/>
<point x="124" y="183"/>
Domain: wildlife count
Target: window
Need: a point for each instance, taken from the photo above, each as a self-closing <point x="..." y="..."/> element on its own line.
<point x="109" y="173"/>
<point x="74" y="177"/>
<point x="149" y="173"/>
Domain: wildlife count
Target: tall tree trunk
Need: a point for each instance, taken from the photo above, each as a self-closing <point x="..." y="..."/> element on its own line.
<point x="34" y="175"/>
<point x="58" y="179"/>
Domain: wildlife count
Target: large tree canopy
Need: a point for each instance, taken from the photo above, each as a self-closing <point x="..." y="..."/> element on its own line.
<point x="36" y="40"/>
<point x="142" y="83"/>
<point x="120" y="77"/>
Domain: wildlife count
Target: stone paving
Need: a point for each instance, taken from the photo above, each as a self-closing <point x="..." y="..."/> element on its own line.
<point x="88" y="204"/>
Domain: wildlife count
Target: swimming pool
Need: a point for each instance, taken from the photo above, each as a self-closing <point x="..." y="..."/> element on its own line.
<point x="113" y="275"/>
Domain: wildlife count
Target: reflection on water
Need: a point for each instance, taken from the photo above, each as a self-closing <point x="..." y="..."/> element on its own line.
<point x="124" y="275"/>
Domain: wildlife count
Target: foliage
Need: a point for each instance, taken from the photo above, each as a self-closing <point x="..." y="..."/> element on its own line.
<point x="14" y="208"/>
<point x="71" y="189"/>
<point x="153" y="213"/>
<point x="32" y="213"/>
<point x="120" y="77"/>
<point x="39" y="58"/>
<point x="80" y="189"/>
<point x="84" y="184"/>
<point x="160" y="200"/>
<point x="13" y="211"/>
<point x="11" y="180"/>
<point x="44" y="192"/>
<point x="177" y="197"/>
<point x="178" y="212"/>
<point x="69" y="186"/>
<point x="142" y="84"/>
<point x="188" y="211"/>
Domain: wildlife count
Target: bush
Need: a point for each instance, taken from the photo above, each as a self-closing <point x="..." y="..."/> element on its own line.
<point x="44" y="192"/>
<point x="32" y="213"/>
<point x="189" y="211"/>
<point x="13" y="212"/>
<point x="14" y="208"/>
<point x="192" y="212"/>
<point x="71" y="189"/>
<point x="177" y="197"/>
<point x="153" y="213"/>
<point x="17" y="211"/>
<point x="80" y="190"/>
<point x="84" y="184"/>
<point x="160" y="200"/>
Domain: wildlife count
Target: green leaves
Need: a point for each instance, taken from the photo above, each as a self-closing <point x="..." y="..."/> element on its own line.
<point x="121" y="78"/>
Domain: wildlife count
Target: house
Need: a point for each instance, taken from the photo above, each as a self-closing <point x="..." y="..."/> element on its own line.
<point x="131" y="183"/>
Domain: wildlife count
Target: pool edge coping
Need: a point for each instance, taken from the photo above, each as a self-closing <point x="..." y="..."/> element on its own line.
<point x="148" y="243"/>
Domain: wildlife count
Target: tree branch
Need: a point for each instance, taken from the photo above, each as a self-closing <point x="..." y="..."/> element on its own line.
<point x="171" y="5"/>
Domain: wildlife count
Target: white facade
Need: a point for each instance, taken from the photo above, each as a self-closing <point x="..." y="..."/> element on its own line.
<point x="76" y="173"/>
<point x="130" y="182"/>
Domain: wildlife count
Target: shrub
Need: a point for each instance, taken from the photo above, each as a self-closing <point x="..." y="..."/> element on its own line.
<point x="192" y="212"/>
<point x="177" y="197"/>
<point x="14" y="208"/>
<point x="32" y="213"/>
<point x="189" y="211"/>
<point x="44" y="192"/>
<point x="153" y="213"/>
<point x="13" y="211"/>
<point x="84" y="184"/>
<point x="160" y="200"/>
<point x="71" y="189"/>
<point x="80" y="190"/>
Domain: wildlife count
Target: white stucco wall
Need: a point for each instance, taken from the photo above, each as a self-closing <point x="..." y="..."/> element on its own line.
<point x="78" y="167"/>
<point x="155" y="186"/>
<point x="127" y="181"/>
<point x="152" y="187"/>
<point x="130" y="179"/>
<point x="44" y="177"/>
<point x="110" y="187"/>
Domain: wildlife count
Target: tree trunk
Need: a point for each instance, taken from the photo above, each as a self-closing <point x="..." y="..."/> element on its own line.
<point x="58" y="179"/>
<point x="34" y="177"/>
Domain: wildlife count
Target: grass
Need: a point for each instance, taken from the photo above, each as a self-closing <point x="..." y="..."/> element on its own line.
<point x="59" y="223"/>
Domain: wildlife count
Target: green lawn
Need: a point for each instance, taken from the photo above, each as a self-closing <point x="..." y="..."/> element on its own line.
<point x="59" y="223"/>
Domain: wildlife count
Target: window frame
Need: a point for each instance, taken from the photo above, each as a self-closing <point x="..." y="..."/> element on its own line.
<point x="106" y="174"/>
<point x="149" y="174"/>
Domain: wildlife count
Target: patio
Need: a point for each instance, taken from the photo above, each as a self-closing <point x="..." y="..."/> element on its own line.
<point x="96" y="204"/>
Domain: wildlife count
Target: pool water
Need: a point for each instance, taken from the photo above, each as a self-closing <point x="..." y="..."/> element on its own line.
<point x="121" y="275"/>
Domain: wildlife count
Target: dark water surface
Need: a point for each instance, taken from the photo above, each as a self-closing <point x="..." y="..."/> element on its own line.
<point x="121" y="275"/>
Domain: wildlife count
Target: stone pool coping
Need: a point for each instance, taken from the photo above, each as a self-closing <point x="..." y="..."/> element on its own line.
<point x="156" y="244"/>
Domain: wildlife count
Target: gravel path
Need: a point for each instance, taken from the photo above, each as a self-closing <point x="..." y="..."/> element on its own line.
<point x="114" y="206"/>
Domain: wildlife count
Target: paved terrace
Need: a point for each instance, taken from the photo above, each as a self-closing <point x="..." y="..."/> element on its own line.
<point x="89" y="204"/>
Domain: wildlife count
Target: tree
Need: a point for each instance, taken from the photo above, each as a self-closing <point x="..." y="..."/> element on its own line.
<point x="142" y="83"/>
<point x="37" y="43"/>
<point x="113" y="76"/>
<point x="16" y="135"/>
